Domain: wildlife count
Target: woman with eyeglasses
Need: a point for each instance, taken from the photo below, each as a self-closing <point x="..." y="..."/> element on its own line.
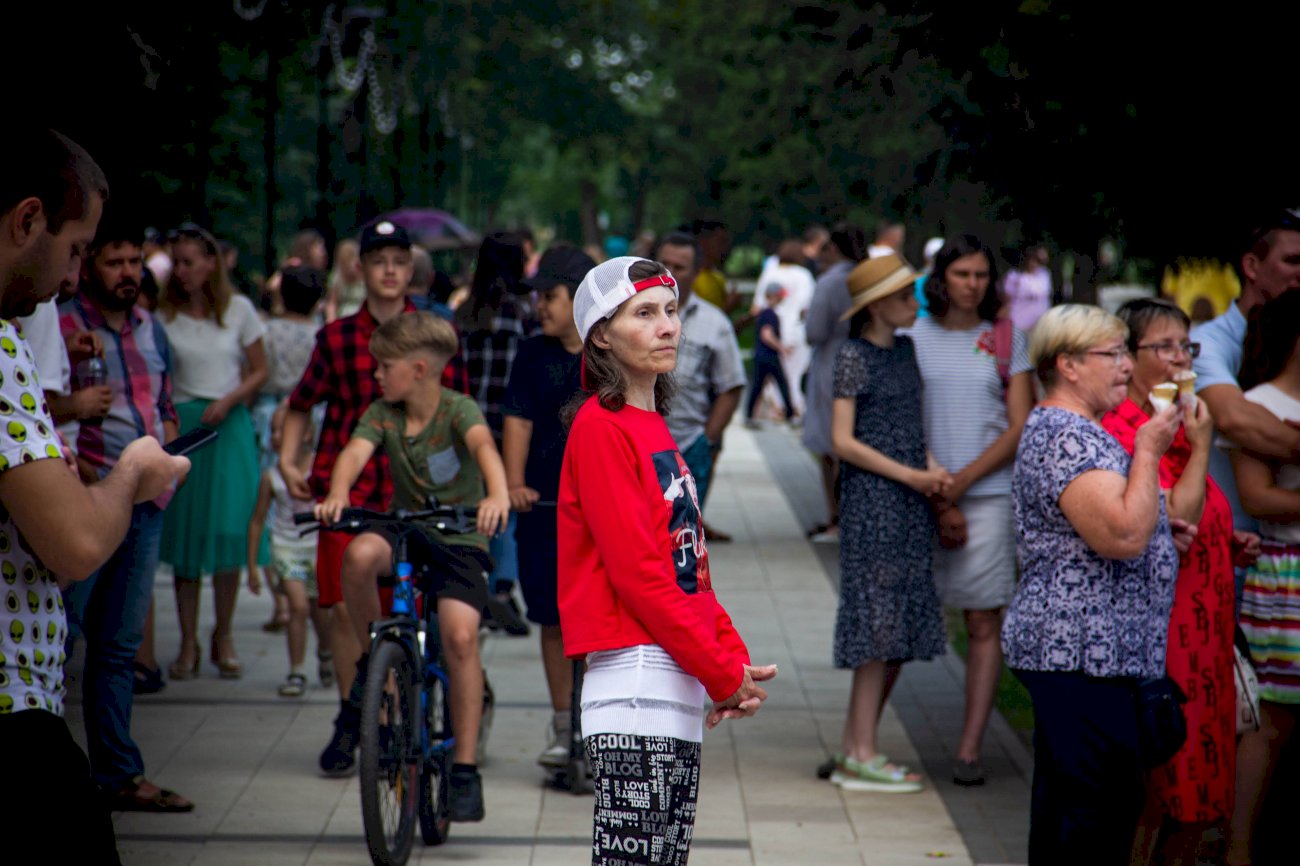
<point x="219" y="364"/>
<point x="1090" y="616"/>
<point x="1194" y="790"/>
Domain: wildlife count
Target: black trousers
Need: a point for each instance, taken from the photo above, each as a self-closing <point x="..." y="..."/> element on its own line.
<point x="1089" y="785"/>
<point x="765" y="366"/>
<point x="51" y="801"/>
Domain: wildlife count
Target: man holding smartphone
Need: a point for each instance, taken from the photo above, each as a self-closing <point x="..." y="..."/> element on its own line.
<point x="110" y="608"/>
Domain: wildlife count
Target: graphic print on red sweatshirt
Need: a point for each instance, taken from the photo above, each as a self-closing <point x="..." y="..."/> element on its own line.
<point x="685" y="524"/>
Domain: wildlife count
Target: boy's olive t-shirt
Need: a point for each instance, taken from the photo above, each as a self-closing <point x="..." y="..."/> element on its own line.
<point x="435" y="461"/>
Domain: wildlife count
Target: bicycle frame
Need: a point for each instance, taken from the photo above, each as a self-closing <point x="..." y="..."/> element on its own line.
<point x="413" y="633"/>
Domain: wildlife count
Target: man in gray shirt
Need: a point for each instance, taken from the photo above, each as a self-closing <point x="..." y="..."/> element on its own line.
<point x="826" y="333"/>
<point x="710" y="375"/>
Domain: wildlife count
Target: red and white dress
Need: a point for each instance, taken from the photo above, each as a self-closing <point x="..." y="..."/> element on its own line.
<point x="1198" y="783"/>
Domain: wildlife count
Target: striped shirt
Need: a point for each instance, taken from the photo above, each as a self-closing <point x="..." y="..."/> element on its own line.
<point x="641" y="690"/>
<point x="963" y="403"/>
<point x="139" y="361"/>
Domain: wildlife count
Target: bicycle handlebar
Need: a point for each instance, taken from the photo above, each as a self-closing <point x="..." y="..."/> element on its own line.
<point x="450" y="519"/>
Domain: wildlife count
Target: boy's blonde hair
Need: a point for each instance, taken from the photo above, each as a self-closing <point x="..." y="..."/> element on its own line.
<point x="414" y="332"/>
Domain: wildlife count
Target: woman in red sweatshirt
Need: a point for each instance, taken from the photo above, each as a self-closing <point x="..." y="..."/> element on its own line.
<point x="634" y="590"/>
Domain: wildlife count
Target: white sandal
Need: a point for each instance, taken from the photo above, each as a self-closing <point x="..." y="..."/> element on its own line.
<point x="294" y="686"/>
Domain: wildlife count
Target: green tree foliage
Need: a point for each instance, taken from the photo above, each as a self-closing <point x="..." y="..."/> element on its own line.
<point x="1023" y="121"/>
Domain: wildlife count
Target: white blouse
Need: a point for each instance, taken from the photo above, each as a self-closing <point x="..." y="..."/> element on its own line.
<point x="209" y="358"/>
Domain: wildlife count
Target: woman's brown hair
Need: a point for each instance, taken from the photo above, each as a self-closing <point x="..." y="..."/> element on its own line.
<point x="604" y="374"/>
<point x="216" y="290"/>
<point x="1272" y="333"/>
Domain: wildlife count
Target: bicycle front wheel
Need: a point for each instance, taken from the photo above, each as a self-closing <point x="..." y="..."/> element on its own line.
<point x="390" y="746"/>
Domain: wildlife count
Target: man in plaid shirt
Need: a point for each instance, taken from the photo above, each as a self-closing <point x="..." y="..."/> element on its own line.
<point x="341" y="375"/>
<point x="111" y="606"/>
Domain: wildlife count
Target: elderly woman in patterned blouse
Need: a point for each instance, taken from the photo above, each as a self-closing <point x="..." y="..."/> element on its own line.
<point x="1091" y="614"/>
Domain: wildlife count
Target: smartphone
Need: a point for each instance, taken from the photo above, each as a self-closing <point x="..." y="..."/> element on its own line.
<point x="188" y="442"/>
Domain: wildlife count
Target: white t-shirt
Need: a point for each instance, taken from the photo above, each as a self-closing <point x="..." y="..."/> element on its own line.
<point x="41" y="330"/>
<point x="1286" y="408"/>
<point x="285" y="536"/>
<point x="964" y="408"/>
<point x="793" y="308"/>
<point x="209" y="358"/>
<point x="32" y="623"/>
<point x="160" y="265"/>
<point x="641" y="690"/>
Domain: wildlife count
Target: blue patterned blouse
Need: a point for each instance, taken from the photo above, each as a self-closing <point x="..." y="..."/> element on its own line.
<point x="1075" y="610"/>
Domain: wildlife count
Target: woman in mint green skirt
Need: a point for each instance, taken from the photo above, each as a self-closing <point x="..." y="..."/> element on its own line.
<point x="220" y="363"/>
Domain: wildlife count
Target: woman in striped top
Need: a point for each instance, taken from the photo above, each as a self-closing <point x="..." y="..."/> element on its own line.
<point x="977" y="394"/>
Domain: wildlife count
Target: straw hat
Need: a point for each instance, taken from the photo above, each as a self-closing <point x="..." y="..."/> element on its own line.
<point x="878" y="278"/>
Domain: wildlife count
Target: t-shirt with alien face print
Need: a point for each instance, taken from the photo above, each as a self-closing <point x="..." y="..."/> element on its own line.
<point x="32" y="622"/>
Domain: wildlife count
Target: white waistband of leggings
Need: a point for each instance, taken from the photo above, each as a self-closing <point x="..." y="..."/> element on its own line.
<point x="641" y="690"/>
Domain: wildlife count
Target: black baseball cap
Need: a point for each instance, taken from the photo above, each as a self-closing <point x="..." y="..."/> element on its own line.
<point x="384" y="234"/>
<point x="560" y="265"/>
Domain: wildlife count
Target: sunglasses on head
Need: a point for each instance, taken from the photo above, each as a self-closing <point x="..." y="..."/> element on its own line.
<point x="194" y="232"/>
<point x="1286" y="218"/>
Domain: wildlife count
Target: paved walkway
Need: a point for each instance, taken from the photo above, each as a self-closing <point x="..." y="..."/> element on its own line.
<point x="248" y="757"/>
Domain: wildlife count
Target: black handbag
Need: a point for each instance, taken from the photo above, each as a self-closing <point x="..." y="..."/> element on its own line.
<point x="1162" y="726"/>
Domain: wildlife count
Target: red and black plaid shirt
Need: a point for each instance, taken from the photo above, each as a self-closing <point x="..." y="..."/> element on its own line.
<point x="341" y="374"/>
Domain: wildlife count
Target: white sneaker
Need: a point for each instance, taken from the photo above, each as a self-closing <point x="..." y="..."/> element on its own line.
<point x="556" y="753"/>
<point x="827" y="536"/>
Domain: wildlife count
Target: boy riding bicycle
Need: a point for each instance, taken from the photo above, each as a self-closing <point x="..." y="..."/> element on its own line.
<point x="439" y="445"/>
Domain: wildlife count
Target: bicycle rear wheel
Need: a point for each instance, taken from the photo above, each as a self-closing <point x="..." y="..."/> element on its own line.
<point x="389" y="748"/>
<point x="435" y="823"/>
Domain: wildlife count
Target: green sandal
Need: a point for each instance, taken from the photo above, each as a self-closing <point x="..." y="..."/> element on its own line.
<point x="876" y="774"/>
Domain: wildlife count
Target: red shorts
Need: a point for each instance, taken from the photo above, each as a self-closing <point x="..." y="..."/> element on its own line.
<point x="330" y="547"/>
<point x="329" y="566"/>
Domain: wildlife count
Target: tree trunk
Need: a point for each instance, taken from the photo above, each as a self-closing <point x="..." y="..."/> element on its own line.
<point x="587" y="212"/>
<point x="272" y="111"/>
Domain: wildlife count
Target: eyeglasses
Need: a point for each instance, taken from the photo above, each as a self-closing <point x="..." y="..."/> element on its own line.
<point x="1116" y="355"/>
<point x="1170" y="351"/>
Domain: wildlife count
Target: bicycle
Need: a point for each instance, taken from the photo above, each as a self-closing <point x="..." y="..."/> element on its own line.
<point x="406" y="733"/>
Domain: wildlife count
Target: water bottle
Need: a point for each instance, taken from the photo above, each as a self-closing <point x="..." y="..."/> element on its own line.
<point x="92" y="373"/>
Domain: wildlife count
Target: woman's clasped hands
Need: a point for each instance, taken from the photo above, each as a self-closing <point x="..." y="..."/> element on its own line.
<point x="746" y="700"/>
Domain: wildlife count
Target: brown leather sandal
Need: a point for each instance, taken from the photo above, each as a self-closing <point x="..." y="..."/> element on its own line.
<point x="130" y="799"/>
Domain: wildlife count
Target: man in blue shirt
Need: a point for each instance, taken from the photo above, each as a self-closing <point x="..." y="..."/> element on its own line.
<point x="1269" y="267"/>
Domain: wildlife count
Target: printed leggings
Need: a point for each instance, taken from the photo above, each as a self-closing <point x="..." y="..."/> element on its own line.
<point x="646" y="788"/>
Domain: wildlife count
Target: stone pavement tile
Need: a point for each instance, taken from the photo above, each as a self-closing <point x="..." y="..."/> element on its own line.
<point x="781" y="843"/>
<point x="337" y="854"/>
<point x="485" y="854"/>
<point x="556" y="855"/>
<point x="158" y="853"/>
<point x="218" y="853"/>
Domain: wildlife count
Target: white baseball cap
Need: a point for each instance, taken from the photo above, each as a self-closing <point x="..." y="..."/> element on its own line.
<point x="607" y="286"/>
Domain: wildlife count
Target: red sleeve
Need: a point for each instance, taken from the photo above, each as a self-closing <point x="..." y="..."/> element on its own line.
<point x="456" y="375"/>
<point x="1123" y="422"/>
<point x="729" y="638"/>
<point x="315" y="385"/>
<point x="630" y="542"/>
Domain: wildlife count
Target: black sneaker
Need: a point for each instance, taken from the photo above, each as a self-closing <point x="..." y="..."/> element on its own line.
<point x="466" y="800"/>
<point x="504" y="615"/>
<point x="340" y="756"/>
